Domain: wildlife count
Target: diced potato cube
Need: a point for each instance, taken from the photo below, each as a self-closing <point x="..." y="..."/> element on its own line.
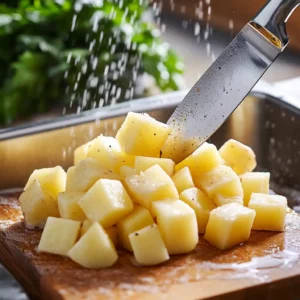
<point x="142" y="135"/>
<point x="138" y="219"/>
<point x="95" y="249"/>
<point x="86" y="225"/>
<point x="183" y="179"/>
<point x="143" y="163"/>
<point x="204" y="159"/>
<point x="270" y="211"/>
<point x="111" y="231"/>
<point x="126" y="171"/>
<point x="59" y="236"/>
<point x="238" y="156"/>
<point x="106" y="202"/>
<point x="200" y="203"/>
<point x="83" y="176"/>
<point x="222" y="185"/>
<point x="52" y="180"/>
<point x="229" y="225"/>
<point x="68" y="206"/>
<point x="255" y="182"/>
<point x="152" y="185"/>
<point x="80" y="153"/>
<point x="148" y="246"/>
<point x="126" y="160"/>
<point x="177" y="223"/>
<point x="107" y="151"/>
<point x="220" y="199"/>
<point x="37" y="205"/>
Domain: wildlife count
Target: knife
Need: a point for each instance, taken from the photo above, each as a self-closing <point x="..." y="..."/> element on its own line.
<point x="229" y="79"/>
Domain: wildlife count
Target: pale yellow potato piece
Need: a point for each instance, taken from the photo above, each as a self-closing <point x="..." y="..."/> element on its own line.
<point x="95" y="249"/>
<point x="86" y="173"/>
<point x="270" y="211"/>
<point x="152" y="185"/>
<point x="37" y="205"/>
<point x="107" y="151"/>
<point x="142" y="135"/>
<point x="80" y="153"/>
<point x="106" y="202"/>
<point x="183" y="179"/>
<point x="86" y="225"/>
<point x="59" y="236"/>
<point x="143" y="163"/>
<point x="221" y="184"/>
<point x="200" y="203"/>
<point x="138" y="219"/>
<point x="68" y="206"/>
<point x="126" y="160"/>
<point x="229" y="225"/>
<point x="255" y="182"/>
<point x="111" y="231"/>
<point x="177" y="223"/>
<point x="126" y="171"/>
<point x="148" y="246"/>
<point x="204" y="159"/>
<point x="238" y="156"/>
<point x="52" y="180"/>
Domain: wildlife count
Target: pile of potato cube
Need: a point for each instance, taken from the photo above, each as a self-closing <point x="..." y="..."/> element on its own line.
<point x="120" y="193"/>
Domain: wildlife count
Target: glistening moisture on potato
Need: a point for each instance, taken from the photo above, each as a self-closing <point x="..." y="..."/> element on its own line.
<point x="121" y="194"/>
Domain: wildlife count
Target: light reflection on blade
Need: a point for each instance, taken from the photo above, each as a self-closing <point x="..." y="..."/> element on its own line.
<point x="219" y="91"/>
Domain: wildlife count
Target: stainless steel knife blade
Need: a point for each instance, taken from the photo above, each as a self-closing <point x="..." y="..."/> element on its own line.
<point x="223" y="86"/>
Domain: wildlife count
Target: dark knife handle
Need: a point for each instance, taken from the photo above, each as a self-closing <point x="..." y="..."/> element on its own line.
<point x="274" y="15"/>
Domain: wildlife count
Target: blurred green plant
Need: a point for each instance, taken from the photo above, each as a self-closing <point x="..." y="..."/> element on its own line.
<point x="81" y="53"/>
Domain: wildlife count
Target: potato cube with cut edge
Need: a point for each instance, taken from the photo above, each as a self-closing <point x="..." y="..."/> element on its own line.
<point x="111" y="231"/>
<point x="126" y="171"/>
<point x="37" y="205"/>
<point x="204" y="159"/>
<point x="139" y="218"/>
<point x="255" y="182"/>
<point x="183" y="179"/>
<point x="106" y="202"/>
<point x="148" y="246"/>
<point x="52" y="180"/>
<point x="142" y="163"/>
<point x="107" y="151"/>
<point x="86" y="225"/>
<point x="94" y="249"/>
<point x="68" y="206"/>
<point x="80" y="153"/>
<point x="270" y="211"/>
<point x="177" y="223"/>
<point x="142" y="135"/>
<point x="59" y="236"/>
<point x="229" y="225"/>
<point x="238" y="156"/>
<point x="152" y="185"/>
<point x="200" y="203"/>
<point x="84" y="175"/>
<point x="221" y="184"/>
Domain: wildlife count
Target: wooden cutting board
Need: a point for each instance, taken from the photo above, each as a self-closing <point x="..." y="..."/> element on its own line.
<point x="266" y="267"/>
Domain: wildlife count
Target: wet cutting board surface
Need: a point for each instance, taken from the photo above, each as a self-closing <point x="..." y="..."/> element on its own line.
<point x="266" y="267"/>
